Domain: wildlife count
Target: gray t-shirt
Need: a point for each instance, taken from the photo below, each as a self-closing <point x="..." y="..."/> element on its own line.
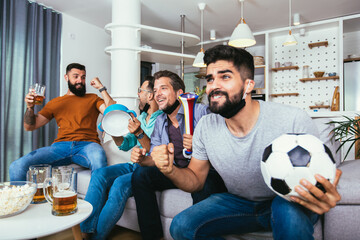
<point x="237" y="159"/>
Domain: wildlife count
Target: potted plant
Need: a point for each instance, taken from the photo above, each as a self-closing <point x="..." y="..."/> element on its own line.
<point x="348" y="131"/>
<point x="200" y="93"/>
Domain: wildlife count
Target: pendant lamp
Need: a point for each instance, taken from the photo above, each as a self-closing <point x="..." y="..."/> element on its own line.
<point x="290" y="39"/>
<point x="242" y="35"/>
<point x="199" y="59"/>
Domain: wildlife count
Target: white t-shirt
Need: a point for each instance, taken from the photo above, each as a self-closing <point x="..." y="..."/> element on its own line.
<point x="237" y="159"/>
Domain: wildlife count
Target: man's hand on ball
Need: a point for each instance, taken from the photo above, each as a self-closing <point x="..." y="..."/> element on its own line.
<point x="316" y="200"/>
<point x="163" y="157"/>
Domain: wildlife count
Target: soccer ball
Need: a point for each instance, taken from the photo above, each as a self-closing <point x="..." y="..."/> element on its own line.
<point x="292" y="157"/>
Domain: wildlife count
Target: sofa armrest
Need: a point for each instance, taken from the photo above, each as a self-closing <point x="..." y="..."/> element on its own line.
<point x="349" y="184"/>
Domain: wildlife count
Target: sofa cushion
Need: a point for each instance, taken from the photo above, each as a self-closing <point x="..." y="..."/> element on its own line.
<point x="342" y="222"/>
<point x="83" y="181"/>
<point x="326" y="136"/>
<point x="349" y="184"/>
<point x="114" y="155"/>
<point x="173" y="201"/>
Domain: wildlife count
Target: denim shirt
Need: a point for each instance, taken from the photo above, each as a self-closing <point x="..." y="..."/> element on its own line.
<point x="130" y="140"/>
<point x="160" y="134"/>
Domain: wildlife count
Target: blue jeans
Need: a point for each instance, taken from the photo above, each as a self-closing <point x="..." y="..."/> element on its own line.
<point x="107" y="208"/>
<point x="87" y="154"/>
<point x="146" y="180"/>
<point x="224" y="213"/>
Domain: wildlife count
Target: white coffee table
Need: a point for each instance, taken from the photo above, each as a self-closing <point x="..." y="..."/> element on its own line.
<point x="37" y="221"/>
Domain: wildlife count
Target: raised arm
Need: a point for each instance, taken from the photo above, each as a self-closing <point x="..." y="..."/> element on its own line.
<point x="95" y="82"/>
<point x="32" y="121"/>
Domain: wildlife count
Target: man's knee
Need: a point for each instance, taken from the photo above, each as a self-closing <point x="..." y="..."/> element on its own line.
<point x="98" y="160"/>
<point x="177" y="227"/>
<point x="17" y="169"/>
<point x="140" y="175"/>
<point x="290" y="219"/>
<point x="121" y="189"/>
<point x="146" y="174"/>
<point x="99" y="175"/>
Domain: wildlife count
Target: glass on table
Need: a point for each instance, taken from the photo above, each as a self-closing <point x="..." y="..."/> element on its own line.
<point x="37" y="174"/>
<point x="62" y="194"/>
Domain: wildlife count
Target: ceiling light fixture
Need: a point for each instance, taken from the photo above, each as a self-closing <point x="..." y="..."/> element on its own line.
<point x="212" y="34"/>
<point x="296" y="20"/>
<point x="290" y="39"/>
<point x="199" y="59"/>
<point x="242" y="35"/>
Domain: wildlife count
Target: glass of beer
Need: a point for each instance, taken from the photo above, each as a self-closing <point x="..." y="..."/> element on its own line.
<point x="62" y="194"/>
<point x="37" y="174"/>
<point x="38" y="90"/>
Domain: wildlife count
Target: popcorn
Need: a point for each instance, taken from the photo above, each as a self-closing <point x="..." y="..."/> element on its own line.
<point x="14" y="198"/>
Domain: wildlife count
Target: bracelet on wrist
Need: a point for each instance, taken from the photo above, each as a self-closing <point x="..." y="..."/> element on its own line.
<point x="102" y="89"/>
<point x="140" y="135"/>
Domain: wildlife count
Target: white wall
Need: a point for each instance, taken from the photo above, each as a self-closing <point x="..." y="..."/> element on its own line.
<point x="351" y="44"/>
<point x="85" y="43"/>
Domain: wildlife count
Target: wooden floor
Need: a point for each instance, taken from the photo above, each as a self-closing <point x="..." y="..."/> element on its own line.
<point x="116" y="234"/>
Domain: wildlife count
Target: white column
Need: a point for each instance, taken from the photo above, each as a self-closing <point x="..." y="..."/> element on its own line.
<point x="125" y="64"/>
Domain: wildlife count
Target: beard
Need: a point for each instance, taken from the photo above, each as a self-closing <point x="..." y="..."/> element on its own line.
<point x="231" y="107"/>
<point x="80" y="92"/>
<point x="144" y="108"/>
<point x="171" y="108"/>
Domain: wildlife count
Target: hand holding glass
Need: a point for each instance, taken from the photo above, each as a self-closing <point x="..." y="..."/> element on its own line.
<point x="38" y="90"/>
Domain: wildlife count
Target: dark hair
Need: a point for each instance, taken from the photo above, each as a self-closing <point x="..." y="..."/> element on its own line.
<point x="175" y="81"/>
<point x="243" y="61"/>
<point x="75" y="65"/>
<point x="150" y="80"/>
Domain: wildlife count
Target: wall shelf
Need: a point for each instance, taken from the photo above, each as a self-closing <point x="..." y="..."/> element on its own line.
<point x="154" y="35"/>
<point x="319" y="79"/>
<point x="284" y="94"/>
<point x="154" y="55"/>
<point x="318" y="44"/>
<point x="284" y="68"/>
<point x="322" y="106"/>
<point x="157" y="36"/>
<point x="351" y="59"/>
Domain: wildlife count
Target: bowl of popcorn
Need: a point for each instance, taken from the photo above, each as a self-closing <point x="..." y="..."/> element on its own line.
<point x="15" y="197"/>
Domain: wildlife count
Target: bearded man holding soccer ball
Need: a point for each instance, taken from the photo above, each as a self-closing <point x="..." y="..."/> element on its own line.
<point x="232" y="140"/>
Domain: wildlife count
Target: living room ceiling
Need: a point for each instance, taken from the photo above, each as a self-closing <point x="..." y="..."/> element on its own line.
<point x="220" y="15"/>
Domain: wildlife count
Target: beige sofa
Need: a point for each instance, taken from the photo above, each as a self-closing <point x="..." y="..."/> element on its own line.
<point x="340" y="223"/>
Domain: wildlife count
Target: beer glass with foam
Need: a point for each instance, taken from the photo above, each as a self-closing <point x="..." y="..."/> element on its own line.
<point x="37" y="174"/>
<point x="38" y="90"/>
<point x="62" y="194"/>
